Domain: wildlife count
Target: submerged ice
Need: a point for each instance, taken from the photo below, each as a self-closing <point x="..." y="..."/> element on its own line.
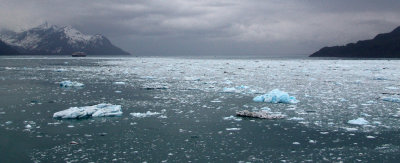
<point x="100" y="110"/>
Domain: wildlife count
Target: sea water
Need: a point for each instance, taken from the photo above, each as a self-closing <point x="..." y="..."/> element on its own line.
<point x="176" y="109"/>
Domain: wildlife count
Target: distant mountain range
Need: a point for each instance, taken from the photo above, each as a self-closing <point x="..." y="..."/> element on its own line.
<point x="53" y="40"/>
<point x="386" y="45"/>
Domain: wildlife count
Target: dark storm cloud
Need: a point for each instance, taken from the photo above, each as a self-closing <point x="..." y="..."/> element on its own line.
<point x="208" y="27"/>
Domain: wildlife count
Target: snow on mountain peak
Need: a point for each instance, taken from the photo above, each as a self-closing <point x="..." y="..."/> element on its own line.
<point x="75" y="36"/>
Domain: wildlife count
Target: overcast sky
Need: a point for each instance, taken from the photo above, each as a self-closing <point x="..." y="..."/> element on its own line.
<point x="212" y="27"/>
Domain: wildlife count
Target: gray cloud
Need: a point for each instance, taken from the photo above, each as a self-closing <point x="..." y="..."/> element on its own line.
<point x="207" y="27"/>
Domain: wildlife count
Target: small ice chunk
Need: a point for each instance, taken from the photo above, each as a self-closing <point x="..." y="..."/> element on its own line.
<point x="391" y="99"/>
<point x="276" y="96"/>
<point x="61" y="70"/>
<point x="242" y="87"/>
<point x="267" y="109"/>
<point x="233" y="129"/>
<point x="296" y="143"/>
<point x="70" y="84"/>
<point x="163" y="116"/>
<point x="232" y="118"/>
<point x="312" y="141"/>
<point x="119" y="83"/>
<point x="296" y="119"/>
<point x="350" y="129"/>
<point x="380" y="78"/>
<point x="100" y="110"/>
<point x="371" y="137"/>
<point x="358" y="121"/>
<point x="394" y="88"/>
<point x="147" y="114"/>
<point x="229" y="90"/>
<point x="155" y="85"/>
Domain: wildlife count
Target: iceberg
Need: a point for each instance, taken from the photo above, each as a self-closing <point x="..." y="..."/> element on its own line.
<point x="391" y="99"/>
<point x="100" y="110"/>
<point x="70" y="84"/>
<point x="276" y="96"/>
<point x="358" y="121"/>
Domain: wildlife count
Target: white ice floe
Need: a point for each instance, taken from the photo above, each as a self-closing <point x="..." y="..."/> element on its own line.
<point x="70" y="84"/>
<point x="358" y="121"/>
<point x="148" y="114"/>
<point x="391" y="99"/>
<point x="100" y="110"/>
<point x="276" y="96"/>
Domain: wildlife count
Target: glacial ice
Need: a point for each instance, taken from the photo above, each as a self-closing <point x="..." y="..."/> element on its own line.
<point x="276" y="96"/>
<point x="391" y="99"/>
<point x="68" y="83"/>
<point x="100" y="110"/>
<point x="358" y="121"/>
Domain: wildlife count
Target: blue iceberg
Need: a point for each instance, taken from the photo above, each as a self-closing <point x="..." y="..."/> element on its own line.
<point x="276" y="96"/>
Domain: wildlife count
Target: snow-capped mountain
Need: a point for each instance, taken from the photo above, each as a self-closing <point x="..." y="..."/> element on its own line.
<point x="51" y="39"/>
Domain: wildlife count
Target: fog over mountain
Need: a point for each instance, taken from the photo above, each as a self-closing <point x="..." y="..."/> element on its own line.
<point x="234" y="27"/>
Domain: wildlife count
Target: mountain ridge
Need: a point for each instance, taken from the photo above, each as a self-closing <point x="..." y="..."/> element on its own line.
<point x="48" y="39"/>
<point x="385" y="45"/>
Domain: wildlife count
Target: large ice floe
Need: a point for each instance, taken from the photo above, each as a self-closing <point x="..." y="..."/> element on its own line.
<point x="68" y="83"/>
<point x="276" y="96"/>
<point x="100" y="110"/>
